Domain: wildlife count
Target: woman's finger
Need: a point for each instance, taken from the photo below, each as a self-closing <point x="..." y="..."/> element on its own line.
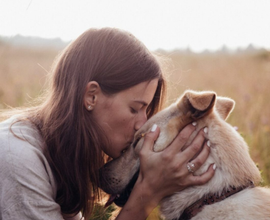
<point x="181" y="139"/>
<point x="195" y="147"/>
<point x="150" y="138"/>
<point x="205" y="177"/>
<point x="198" y="161"/>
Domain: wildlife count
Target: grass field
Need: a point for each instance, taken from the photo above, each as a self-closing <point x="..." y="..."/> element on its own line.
<point x="243" y="76"/>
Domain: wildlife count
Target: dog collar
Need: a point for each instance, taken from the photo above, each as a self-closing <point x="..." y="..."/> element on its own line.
<point x="209" y="199"/>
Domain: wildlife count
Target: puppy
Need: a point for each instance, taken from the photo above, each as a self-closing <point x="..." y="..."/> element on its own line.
<point x="232" y="193"/>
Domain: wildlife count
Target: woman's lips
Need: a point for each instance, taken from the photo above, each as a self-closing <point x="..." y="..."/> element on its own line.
<point x="127" y="146"/>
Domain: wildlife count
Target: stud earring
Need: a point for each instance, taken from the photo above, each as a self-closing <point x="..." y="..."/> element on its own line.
<point x="89" y="107"/>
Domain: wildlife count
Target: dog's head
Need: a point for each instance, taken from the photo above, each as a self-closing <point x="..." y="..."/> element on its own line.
<point x="119" y="175"/>
<point x="116" y="175"/>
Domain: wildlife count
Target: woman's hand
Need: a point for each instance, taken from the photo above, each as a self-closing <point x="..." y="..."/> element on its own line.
<point x="163" y="173"/>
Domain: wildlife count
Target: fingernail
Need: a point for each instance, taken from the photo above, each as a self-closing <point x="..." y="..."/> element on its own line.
<point x="194" y="123"/>
<point x="154" y="128"/>
<point x="208" y="143"/>
<point x="214" y="166"/>
<point x="205" y="130"/>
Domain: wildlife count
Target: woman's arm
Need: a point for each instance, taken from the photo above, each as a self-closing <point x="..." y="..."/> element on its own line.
<point x="163" y="173"/>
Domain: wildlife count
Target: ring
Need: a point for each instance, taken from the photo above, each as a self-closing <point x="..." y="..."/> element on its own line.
<point x="190" y="166"/>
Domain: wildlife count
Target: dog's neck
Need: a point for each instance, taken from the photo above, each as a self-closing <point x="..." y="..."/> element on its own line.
<point x="192" y="200"/>
<point x="173" y="207"/>
<point x="209" y="199"/>
<point x="225" y="176"/>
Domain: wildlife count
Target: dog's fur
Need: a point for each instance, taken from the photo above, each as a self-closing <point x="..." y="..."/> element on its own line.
<point x="228" y="151"/>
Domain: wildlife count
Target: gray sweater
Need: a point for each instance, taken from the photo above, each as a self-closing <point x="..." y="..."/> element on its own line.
<point x="27" y="184"/>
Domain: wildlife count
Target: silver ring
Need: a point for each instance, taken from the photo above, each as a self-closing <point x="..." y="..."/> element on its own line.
<point x="190" y="167"/>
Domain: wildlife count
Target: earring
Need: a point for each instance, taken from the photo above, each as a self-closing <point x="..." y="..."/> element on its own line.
<point x="89" y="107"/>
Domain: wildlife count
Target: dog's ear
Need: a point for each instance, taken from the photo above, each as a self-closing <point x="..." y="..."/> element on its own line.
<point x="224" y="106"/>
<point x="198" y="103"/>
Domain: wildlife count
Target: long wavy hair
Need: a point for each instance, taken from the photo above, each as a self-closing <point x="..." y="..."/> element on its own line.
<point x="117" y="61"/>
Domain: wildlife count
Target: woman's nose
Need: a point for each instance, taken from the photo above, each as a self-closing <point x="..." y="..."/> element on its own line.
<point x="141" y="121"/>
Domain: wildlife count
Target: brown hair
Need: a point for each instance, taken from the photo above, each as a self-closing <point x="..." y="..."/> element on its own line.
<point x="117" y="61"/>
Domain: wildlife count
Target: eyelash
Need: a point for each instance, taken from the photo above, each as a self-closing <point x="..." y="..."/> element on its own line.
<point x="133" y="111"/>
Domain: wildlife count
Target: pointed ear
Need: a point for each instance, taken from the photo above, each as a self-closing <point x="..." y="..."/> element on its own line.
<point x="224" y="106"/>
<point x="91" y="93"/>
<point x="198" y="103"/>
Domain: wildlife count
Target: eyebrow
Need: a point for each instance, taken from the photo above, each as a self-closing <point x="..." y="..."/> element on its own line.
<point x="141" y="102"/>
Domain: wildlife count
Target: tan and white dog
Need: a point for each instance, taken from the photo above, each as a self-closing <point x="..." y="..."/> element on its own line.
<point x="230" y="194"/>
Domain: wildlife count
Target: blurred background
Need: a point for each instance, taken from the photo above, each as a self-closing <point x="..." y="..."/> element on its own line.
<point x="207" y="45"/>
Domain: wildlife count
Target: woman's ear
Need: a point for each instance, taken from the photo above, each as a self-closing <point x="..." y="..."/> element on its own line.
<point x="91" y="95"/>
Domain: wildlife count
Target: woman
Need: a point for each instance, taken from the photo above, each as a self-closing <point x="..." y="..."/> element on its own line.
<point x="104" y="86"/>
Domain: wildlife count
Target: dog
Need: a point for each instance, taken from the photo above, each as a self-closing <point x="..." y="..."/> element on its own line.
<point x="233" y="192"/>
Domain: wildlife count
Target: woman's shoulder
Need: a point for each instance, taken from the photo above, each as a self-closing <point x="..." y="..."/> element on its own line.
<point x="21" y="150"/>
<point x="17" y="134"/>
<point x="25" y="170"/>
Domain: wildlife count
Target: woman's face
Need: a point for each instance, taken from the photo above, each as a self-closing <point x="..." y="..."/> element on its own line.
<point x="122" y="114"/>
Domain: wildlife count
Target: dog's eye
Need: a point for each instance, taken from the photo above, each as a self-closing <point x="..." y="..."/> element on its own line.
<point x="123" y="151"/>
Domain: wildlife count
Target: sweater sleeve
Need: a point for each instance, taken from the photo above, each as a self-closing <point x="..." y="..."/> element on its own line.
<point x="27" y="186"/>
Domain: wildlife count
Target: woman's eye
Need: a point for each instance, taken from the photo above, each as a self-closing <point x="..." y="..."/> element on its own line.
<point x="133" y="111"/>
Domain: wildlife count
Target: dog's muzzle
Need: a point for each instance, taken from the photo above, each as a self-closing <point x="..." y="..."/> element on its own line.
<point x="120" y="199"/>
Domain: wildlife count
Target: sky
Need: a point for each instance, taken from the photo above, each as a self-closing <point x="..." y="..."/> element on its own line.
<point x="159" y="24"/>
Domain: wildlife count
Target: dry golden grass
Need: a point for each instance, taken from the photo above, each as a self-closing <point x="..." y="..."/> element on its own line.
<point x="23" y="73"/>
<point x="245" y="77"/>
